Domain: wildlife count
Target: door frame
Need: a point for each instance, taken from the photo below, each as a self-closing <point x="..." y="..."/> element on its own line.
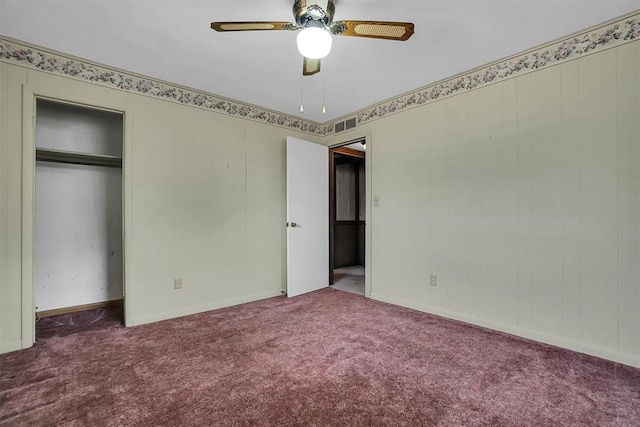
<point x="30" y="95"/>
<point x="337" y="141"/>
<point x="342" y="150"/>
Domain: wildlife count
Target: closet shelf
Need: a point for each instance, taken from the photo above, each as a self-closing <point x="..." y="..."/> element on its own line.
<point x="76" y="158"/>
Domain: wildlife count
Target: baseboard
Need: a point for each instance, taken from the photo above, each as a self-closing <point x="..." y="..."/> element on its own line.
<point x="580" y="347"/>
<point x="187" y="311"/>
<point x="76" y="308"/>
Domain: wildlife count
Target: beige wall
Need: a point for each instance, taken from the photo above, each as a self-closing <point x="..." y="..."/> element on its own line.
<point x="523" y="197"/>
<point x="204" y="201"/>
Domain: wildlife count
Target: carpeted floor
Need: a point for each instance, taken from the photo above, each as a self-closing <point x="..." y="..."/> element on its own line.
<point x="67" y="324"/>
<point x="325" y="358"/>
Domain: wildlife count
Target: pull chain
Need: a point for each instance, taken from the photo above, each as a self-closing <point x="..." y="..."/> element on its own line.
<point x="324" y="95"/>
<point x="301" y="94"/>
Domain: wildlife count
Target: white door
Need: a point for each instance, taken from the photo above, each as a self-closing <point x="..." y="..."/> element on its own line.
<point x="307" y="216"/>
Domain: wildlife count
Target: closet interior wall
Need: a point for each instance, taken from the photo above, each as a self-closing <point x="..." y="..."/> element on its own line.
<point x="78" y="215"/>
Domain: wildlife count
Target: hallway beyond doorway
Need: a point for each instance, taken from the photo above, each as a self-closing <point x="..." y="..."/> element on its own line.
<point x="349" y="279"/>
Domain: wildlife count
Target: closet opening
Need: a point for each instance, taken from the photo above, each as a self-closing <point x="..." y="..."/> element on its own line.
<point x="347" y="216"/>
<point x="78" y="256"/>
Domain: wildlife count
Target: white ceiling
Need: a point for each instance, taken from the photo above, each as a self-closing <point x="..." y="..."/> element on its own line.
<point x="172" y="40"/>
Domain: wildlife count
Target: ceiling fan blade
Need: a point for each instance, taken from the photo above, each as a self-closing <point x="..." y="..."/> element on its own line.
<point x="252" y="26"/>
<point x="400" y="31"/>
<point x="310" y="67"/>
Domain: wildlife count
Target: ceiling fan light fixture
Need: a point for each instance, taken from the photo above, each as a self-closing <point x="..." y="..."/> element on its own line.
<point x="314" y="42"/>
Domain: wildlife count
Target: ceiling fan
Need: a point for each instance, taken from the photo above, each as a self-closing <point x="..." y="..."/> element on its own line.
<point x="315" y="19"/>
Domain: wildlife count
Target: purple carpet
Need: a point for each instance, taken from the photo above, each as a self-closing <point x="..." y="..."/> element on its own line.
<point x="67" y="324"/>
<point x="325" y="358"/>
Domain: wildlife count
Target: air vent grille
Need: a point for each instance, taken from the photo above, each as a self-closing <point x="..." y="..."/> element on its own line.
<point x="348" y="124"/>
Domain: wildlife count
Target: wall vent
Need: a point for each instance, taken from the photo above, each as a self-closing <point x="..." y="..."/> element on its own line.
<point x="347" y="124"/>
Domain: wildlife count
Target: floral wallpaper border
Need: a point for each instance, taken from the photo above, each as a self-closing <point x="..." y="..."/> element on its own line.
<point x="615" y="33"/>
<point x="624" y="30"/>
<point x="13" y="51"/>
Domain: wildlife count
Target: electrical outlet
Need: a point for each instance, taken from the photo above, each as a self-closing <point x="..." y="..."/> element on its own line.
<point x="177" y="283"/>
<point x="433" y="280"/>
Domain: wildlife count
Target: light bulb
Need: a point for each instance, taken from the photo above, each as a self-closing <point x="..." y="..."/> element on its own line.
<point x="301" y="108"/>
<point x="314" y="42"/>
<point x="324" y="110"/>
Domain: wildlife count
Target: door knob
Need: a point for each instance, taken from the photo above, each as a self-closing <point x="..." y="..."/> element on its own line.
<point x="293" y="224"/>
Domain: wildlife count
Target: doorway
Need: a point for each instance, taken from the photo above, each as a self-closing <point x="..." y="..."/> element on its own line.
<point x="347" y="214"/>
<point x="78" y="257"/>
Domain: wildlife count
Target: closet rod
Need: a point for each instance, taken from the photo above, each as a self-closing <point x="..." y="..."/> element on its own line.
<point x="72" y="157"/>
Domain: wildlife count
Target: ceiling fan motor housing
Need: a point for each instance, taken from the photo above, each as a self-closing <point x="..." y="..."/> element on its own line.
<point x="313" y="13"/>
